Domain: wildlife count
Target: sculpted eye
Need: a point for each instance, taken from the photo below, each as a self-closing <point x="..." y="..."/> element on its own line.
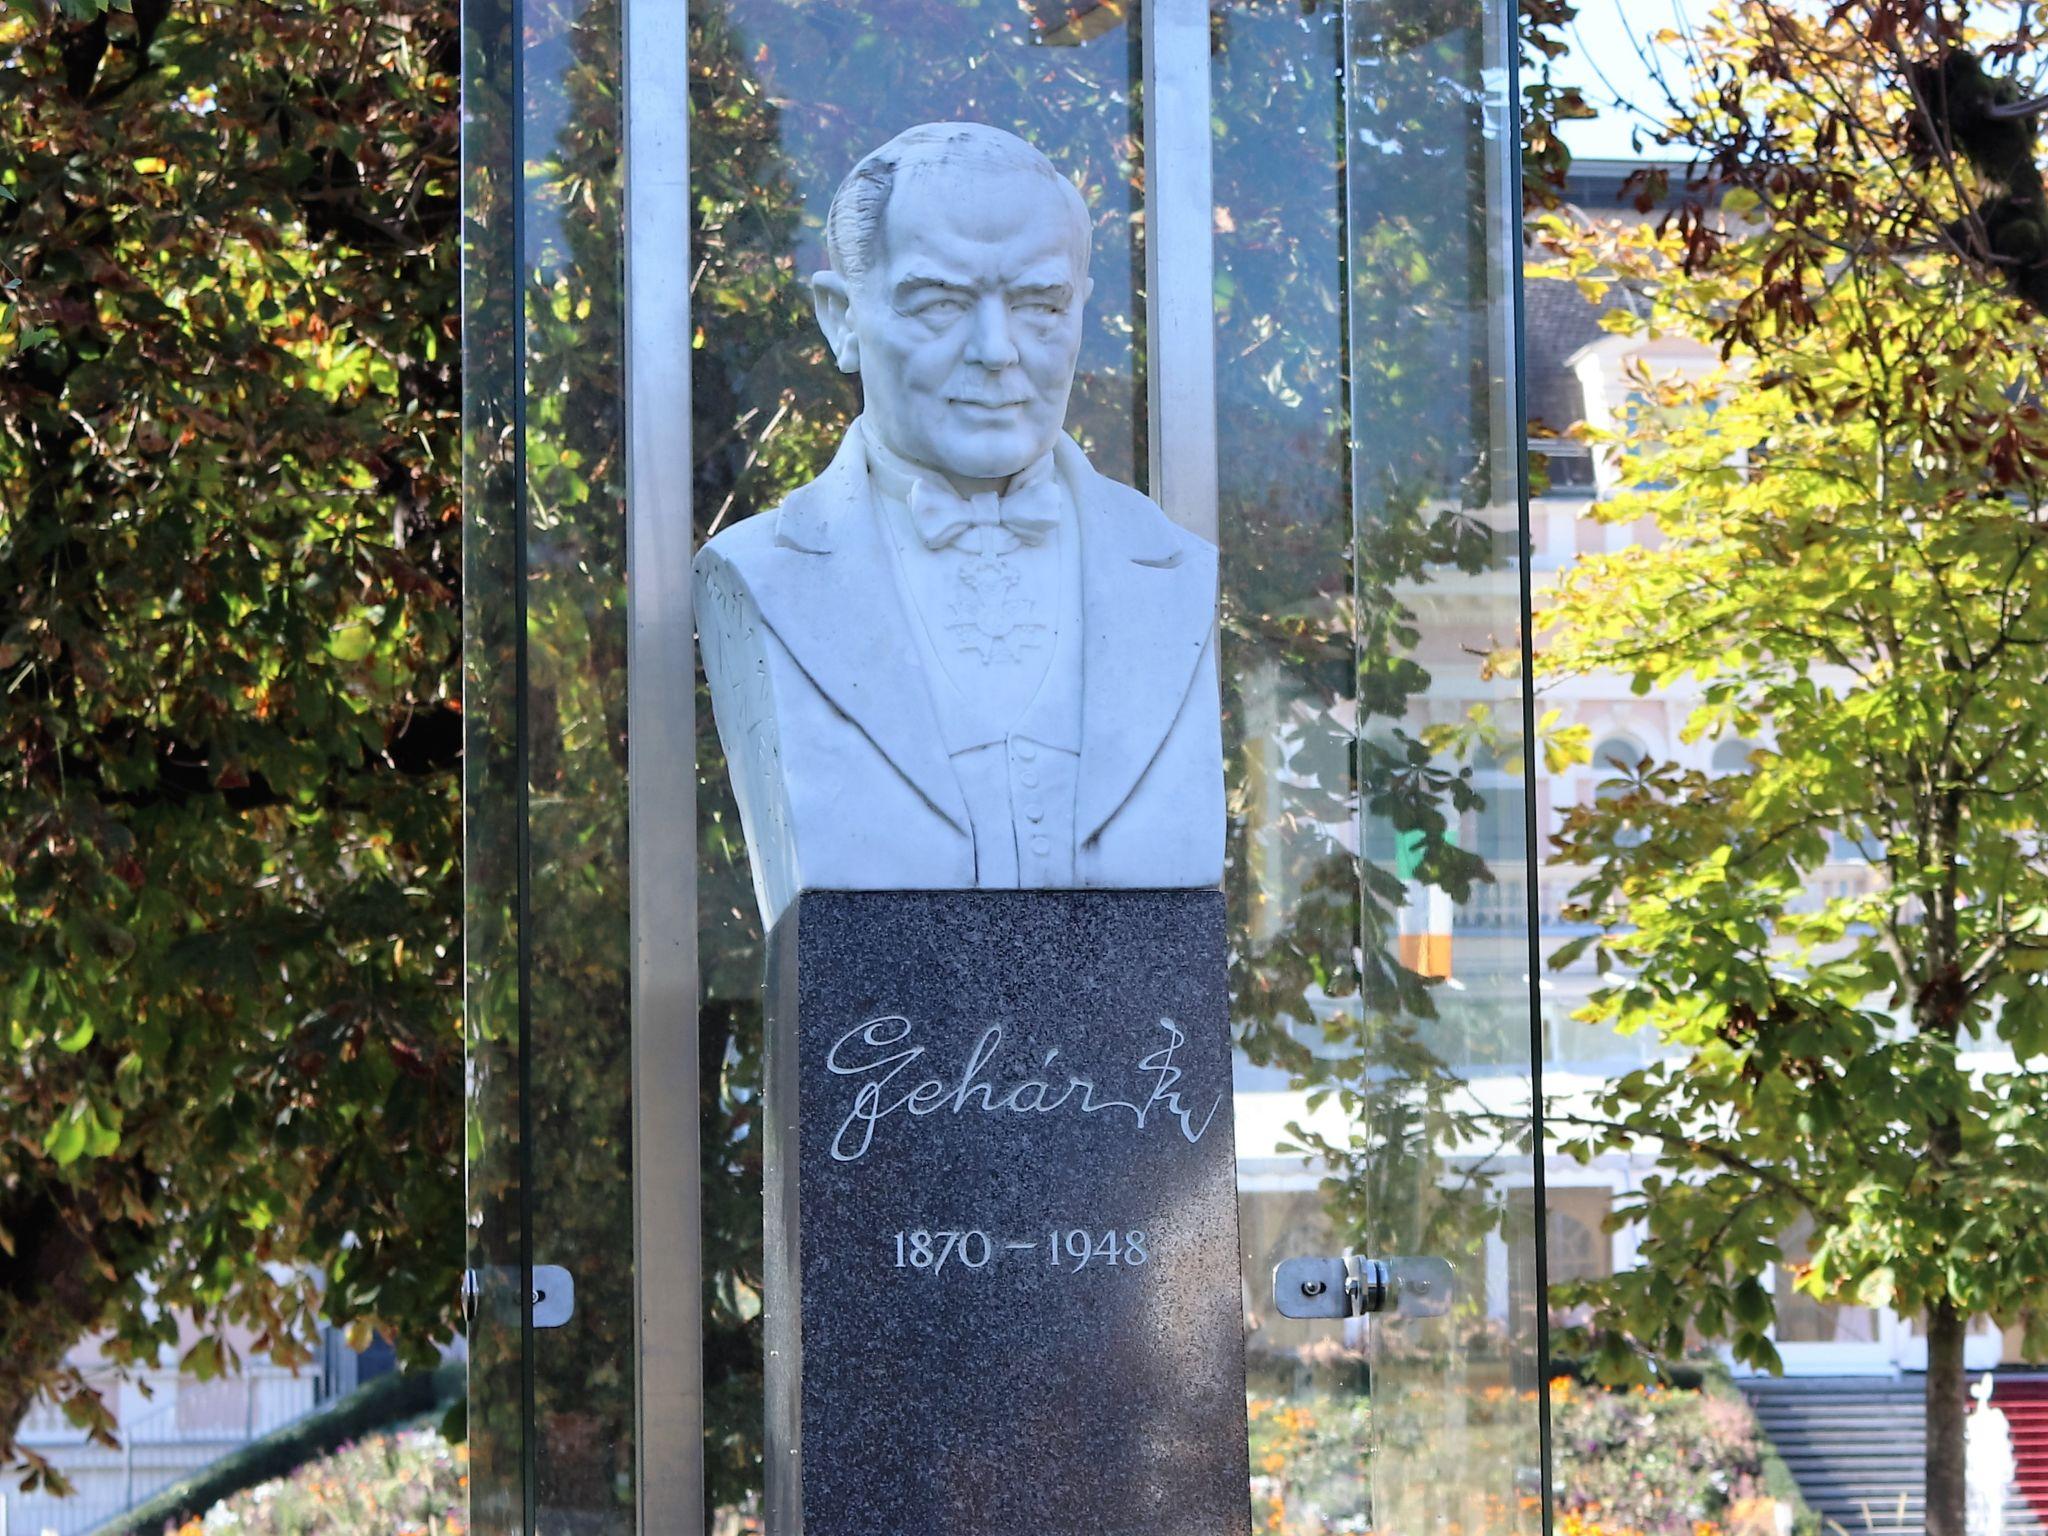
<point x="943" y="307"/>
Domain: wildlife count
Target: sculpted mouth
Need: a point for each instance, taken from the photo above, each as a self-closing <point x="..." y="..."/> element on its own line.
<point x="988" y="405"/>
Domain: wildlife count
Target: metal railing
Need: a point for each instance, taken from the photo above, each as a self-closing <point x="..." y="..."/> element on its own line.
<point x="169" y="1426"/>
<point x="1503" y="903"/>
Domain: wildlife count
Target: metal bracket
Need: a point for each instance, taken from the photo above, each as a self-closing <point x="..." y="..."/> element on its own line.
<point x="553" y="1294"/>
<point x="1355" y="1286"/>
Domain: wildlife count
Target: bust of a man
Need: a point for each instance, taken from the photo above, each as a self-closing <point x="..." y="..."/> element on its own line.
<point x="960" y="657"/>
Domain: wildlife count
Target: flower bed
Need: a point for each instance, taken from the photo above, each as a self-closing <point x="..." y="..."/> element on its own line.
<point x="1651" y="1462"/>
<point x="409" y="1484"/>
<point x="1641" y="1463"/>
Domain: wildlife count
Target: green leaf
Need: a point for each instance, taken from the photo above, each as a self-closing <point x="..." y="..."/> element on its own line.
<point x="203" y="1359"/>
<point x="351" y="642"/>
<point x="103" y="1137"/>
<point x="65" y="1140"/>
<point x="1752" y="1303"/>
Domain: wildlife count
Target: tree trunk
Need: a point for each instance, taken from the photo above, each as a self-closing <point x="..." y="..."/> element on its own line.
<point x="1946" y="1394"/>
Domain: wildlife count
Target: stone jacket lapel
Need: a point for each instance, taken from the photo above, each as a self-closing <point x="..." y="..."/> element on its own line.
<point x="1148" y="601"/>
<point x="832" y="601"/>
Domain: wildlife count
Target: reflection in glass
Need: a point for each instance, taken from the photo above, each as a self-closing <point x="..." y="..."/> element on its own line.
<point x="1371" y="617"/>
<point x="578" y="964"/>
<point x="491" y="795"/>
<point x="1372" y="530"/>
<point x="786" y="96"/>
<point x="1291" y="722"/>
<point x="550" y="1108"/>
<point x="1433" y="227"/>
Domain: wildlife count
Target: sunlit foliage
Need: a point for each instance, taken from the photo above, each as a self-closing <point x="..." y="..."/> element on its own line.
<point x="1850" y="566"/>
<point x="228" y="724"/>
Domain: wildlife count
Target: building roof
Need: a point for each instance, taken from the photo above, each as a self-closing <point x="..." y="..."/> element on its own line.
<point x="1557" y="320"/>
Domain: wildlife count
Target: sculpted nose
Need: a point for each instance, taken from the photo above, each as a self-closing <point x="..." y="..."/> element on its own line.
<point x="989" y="343"/>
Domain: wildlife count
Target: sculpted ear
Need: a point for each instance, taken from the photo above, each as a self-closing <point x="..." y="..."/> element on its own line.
<point x="834" y="307"/>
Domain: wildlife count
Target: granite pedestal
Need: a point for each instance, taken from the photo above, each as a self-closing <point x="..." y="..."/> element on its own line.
<point x="1003" y="1292"/>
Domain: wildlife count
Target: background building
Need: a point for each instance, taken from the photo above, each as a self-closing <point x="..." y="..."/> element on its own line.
<point x="1848" y="1412"/>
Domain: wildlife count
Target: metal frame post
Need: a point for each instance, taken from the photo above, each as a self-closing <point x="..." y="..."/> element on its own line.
<point x="1180" y="281"/>
<point x="661" y="770"/>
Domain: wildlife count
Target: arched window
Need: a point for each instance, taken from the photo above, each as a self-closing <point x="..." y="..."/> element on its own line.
<point x="1615" y="756"/>
<point x="1499" y="833"/>
<point x="1575" y="1254"/>
<point x="1732" y="756"/>
<point x="1614" y="760"/>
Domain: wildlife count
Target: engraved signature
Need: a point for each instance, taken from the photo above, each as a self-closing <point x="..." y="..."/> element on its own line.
<point x="852" y="1055"/>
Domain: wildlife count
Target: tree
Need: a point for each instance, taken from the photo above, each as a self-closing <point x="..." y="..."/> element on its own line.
<point x="228" y="589"/>
<point x="1851" y="566"/>
<point x="229" y="725"/>
<point x="1913" y="124"/>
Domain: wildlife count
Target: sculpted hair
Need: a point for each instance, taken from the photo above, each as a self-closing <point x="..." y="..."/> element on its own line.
<point x="853" y="224"/>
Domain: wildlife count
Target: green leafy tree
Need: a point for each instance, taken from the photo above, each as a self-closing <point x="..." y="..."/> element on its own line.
<point x="1909" y="127"/>
<point x="228" y="588"/>
<point x="228" y="724"/>
<point x="1850" y="569"/>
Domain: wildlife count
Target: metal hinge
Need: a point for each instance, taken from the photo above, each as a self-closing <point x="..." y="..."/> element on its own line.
<point x="553" y="1294"/>
<point x="1353" y="1286"/>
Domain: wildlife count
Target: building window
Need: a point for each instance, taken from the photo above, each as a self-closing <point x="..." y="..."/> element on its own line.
<point x="1576" y="1243"/>
<point x="1613" y="761"/>
<point x="1801" y="1319"/>
<point x="1732" y="756"/>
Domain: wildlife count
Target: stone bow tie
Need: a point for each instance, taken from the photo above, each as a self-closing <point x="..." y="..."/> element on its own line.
<point x="1031" y="510"/>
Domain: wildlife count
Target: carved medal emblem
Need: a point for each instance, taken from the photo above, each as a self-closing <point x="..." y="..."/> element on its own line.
<point x="990" y="622"/>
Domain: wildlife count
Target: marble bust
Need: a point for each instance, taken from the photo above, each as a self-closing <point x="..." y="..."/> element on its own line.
<point x="960" y="657"/>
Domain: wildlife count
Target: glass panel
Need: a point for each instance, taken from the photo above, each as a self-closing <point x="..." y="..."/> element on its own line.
<point x="1291" y="721"/>
<point x="1433" y="237"/>
<point x="1372" y="534"/>
<point x="492" y="795"/>
<point x="789" y="95"/>
<point x="550" y="1110"/>
<point x="579" y="1035"/>
<point x="1371" y="598"/>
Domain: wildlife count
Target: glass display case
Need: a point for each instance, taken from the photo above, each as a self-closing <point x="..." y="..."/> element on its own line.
<point x="1303" y="343"/>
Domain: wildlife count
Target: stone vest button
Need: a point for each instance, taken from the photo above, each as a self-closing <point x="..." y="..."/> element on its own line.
<point x="1041" y="845"/>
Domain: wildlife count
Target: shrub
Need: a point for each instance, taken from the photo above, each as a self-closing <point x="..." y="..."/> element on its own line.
<point x="1656" y="1462"/>
<point x="1652" y="1462"/>
<point x="409" y="1484"/>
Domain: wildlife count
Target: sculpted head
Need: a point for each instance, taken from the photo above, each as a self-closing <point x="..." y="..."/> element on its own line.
<point x="959" y="267"/>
